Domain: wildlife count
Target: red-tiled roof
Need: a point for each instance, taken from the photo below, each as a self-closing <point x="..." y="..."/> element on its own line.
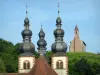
<point x="13" y="74"/>
<point x="42" y="68"/>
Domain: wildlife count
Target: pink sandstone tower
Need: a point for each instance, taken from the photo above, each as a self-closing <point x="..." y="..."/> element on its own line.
<point x="77" y="45"/>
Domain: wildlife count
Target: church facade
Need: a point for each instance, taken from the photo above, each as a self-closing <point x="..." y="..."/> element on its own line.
<point x="77" y="45"/>
<point x="29" y="65"/>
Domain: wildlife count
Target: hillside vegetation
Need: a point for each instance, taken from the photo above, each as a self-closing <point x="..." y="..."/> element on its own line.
<point x="91" y="57"/>
<point x="84" y="63"/>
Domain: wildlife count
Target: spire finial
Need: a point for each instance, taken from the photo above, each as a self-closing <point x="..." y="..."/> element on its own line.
<point x="41" y="26"/>
<point x="58" y="8"/>
<point x="26" y="8"/>
<point x="76" y="27"/>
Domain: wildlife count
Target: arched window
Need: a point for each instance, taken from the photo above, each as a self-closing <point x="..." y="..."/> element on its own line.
<point x="26" y="65"/>
<point x="59" y="64"/>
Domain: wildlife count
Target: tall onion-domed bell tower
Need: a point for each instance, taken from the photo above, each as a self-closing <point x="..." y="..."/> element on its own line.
<point x="41" y="42"/>
<point x="59" y="60"/>
<point x="26" y="59"/>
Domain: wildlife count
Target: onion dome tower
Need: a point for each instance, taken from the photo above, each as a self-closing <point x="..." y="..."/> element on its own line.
<point x="27" y="46"/>
<point x="59" y="46"/>
<point x="26" y="59"/>
<point x="41" y="42"/>
<point x="59" y="60"/>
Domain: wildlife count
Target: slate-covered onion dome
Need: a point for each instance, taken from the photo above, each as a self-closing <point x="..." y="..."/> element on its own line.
<point x="26" y="32"/>
<point x="27" y="47"/>
<point x="58" y="20"/>
<point x="41" y="42"/>
<point x="26" y="21"/>
<point x="41" y="33"/>
<point x="59" y="32"/>
<point x="59" y="47"/>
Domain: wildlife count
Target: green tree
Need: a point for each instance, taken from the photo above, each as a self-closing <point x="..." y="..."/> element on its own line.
<point x="49" y="54"/>
<point x="17" y="48"/>
<point x="2" y="67"/>
<point x="96" y="68"/>
<point x="82" y="67"/>
<point x="9" y="62"/>
<point x="6" y="46"/>
<point x="36" y="54"/>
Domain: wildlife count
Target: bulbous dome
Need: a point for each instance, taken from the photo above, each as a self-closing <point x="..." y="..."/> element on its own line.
<point x="58" y="20"/>
<point x="26" y="32"/>
<point x="59" y="32"/>
<point x="26" y="21"/>
<point x="59" y="47"/>
<point x="41" y="33"/>
<point x="27" y="47"/>
<point x="41" y="42"/>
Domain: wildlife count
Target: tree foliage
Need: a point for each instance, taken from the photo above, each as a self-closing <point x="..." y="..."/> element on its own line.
<point x="6" y="46"/>
<point x="9" y="55"/>
<point x="2" y="67"/>
<point x="82" y="67"/>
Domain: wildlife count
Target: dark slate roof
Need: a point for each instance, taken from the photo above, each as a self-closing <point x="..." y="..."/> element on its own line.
<point x="84" y="43"/>
<point x="26" y="54"/>
<point x="59" y="54"/>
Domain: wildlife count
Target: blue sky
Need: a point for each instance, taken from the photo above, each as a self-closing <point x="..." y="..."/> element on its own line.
<point x="84" y="13"/>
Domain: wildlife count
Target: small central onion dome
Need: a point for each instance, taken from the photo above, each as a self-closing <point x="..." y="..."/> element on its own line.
<point x="27" y="47"/>
<point x="58" y="20"/>
<point x="26" y="21"/>
<point x="59" y="47"/>
<point x="41" y="42"/>
<point x="41" y="33"/>
<point x="26" y="32"/>
<point x="59" y="32"/>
